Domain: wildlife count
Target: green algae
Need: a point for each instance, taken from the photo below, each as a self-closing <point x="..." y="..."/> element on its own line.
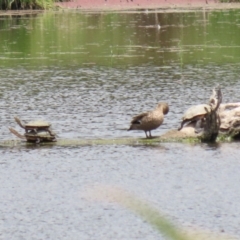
<point x="171" y="136"/>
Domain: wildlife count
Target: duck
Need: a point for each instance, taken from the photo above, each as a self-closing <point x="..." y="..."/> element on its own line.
<point x="151" y="120"/>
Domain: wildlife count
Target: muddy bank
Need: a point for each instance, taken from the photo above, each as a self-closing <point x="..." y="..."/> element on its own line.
<point x="126" y="5"/>
<point x="144" y="4"/>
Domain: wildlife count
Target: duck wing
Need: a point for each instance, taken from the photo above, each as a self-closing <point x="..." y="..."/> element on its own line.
<point x="137" y="119"/>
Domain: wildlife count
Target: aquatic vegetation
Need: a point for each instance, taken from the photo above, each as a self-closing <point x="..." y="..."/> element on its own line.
<point x="25" y="4"/>
<point x="149" y="213"/>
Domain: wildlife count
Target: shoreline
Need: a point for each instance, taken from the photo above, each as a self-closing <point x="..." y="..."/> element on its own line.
<point x="126" y="5"/>
<point x="130" y="5"/>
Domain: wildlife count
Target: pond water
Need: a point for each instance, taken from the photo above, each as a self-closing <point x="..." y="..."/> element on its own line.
<point x="88" y="74"/>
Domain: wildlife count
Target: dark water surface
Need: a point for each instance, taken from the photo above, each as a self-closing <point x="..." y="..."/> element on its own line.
<point x="88" y="74"/>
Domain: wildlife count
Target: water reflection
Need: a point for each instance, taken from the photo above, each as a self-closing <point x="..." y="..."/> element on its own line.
<point x="113" y="39"/>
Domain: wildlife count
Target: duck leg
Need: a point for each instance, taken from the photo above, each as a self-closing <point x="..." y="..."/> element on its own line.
<point x="150" y="135"/>
<point x="146" y="134"/>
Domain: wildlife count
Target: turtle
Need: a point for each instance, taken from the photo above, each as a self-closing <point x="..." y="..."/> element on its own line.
<point x="36" y="137"/>
<point x="34" y="125"/>
<point x="151" y="120"/>
<point x="35" y="131"/>
<point x="195" y="113"/>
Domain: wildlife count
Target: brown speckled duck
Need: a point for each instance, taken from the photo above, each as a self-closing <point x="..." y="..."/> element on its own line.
<point x="149" y="121"/>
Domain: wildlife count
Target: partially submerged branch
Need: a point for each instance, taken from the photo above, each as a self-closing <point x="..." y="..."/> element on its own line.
<point x="212" y="119"/>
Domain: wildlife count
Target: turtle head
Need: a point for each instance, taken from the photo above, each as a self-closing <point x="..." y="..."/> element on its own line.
<point x="18" y="121"/>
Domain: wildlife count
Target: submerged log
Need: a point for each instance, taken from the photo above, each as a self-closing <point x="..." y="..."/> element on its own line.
<point x="171" y="136"/>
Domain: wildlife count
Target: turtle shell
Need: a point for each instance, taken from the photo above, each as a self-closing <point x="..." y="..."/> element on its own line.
<point x="40" y="136"/>
<point x="196" y="111"/>
<point x="37" y="124"/>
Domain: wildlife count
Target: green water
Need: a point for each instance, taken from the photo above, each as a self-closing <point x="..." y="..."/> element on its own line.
<point x="120" y="39"/>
